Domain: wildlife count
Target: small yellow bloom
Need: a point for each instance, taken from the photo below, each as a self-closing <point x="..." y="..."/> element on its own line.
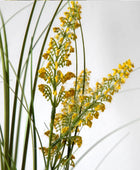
<point x="57" y="52"/>
<point x="70" y="19"/>
<point x="64" y="129"/>
<point x="61" y="40"/>
<point x="55" y="93"/>
<point x="56" y="65"/>
<point x="48" y="65"/>
<point x="56" y="29"/>
<point x="71" y="49"/>
<point x="56" y="78"/>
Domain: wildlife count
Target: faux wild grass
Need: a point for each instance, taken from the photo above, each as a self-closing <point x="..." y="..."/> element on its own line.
<point x="80" y="104"/>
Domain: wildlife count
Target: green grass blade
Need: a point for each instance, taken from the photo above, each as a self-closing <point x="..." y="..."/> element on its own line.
<point x="1" y="136"/>
<point x="84" y="55"/>
<point x="34" y="85"/>
<point x="48" y="26"/>
<point x="111" y="150"/>
<point x="26" y="67"/>
<point x="6" y="109"/>
<point x="26" y="109"/>
<point x="1" y="158"/>
<point x="18" y="77"/>
<point x="105" y="137"/>
<point x="15" y="15"/>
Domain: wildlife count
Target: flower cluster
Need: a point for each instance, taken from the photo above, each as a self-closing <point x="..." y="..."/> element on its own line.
<point x="57" y="55"/>
<point x="85" y="107"/>
<point x="81" y="103"/>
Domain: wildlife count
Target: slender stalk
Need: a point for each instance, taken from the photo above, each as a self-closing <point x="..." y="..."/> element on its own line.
<point x="18" y="75"/>
<point x="69" y="142"/>
<point x="50" y="137"/>
<point x="15" y="15"/>
<point x="1" y="157"/>
<point x="34" y="87"/>
<point x="6" y="89"/>
<point x="84" y="56"/>
<point x="6" y="107"/>
<point x="25" y="75"/>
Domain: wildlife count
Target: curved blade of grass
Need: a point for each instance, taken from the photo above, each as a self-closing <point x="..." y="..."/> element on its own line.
<point x="6" y="109"/>
<point x="84" y="55"/>
<point x="24" y="80"/>
<point x="4" y="161"/>
<point x="1" y="134"/>
<point x="6" y="91"/>
<point x="22" y="90"/>
<point x="34" y="88"/>
<point x="15" y="15"/>
<point x="42" y="35"/>
<point x="116" y="144"/>
<point x="105" y="137"/>
<point x="1" y="158"/>
<point x="18" y="77"/>
<point x="17" y="96"/>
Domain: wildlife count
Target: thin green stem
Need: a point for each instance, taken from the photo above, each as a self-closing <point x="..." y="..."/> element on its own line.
<point x="17" y="83"/>
<point x="6" y="107"/>
<point x="15" y="15"/>
<point x="1" y="157"/>
<point x="34" y="87"/>
<point x="25" y="75"/>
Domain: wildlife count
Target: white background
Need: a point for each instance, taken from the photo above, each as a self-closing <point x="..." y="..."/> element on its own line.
<point x="112" y="35"/>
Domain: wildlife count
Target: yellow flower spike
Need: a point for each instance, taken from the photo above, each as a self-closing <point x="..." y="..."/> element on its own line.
<point x="55" y="93"/>
<point x="56" y="65"/>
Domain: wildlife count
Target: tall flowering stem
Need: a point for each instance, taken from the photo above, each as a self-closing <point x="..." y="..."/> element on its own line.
<point x="57" y="57"/>
<point x="81" y="104"/>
